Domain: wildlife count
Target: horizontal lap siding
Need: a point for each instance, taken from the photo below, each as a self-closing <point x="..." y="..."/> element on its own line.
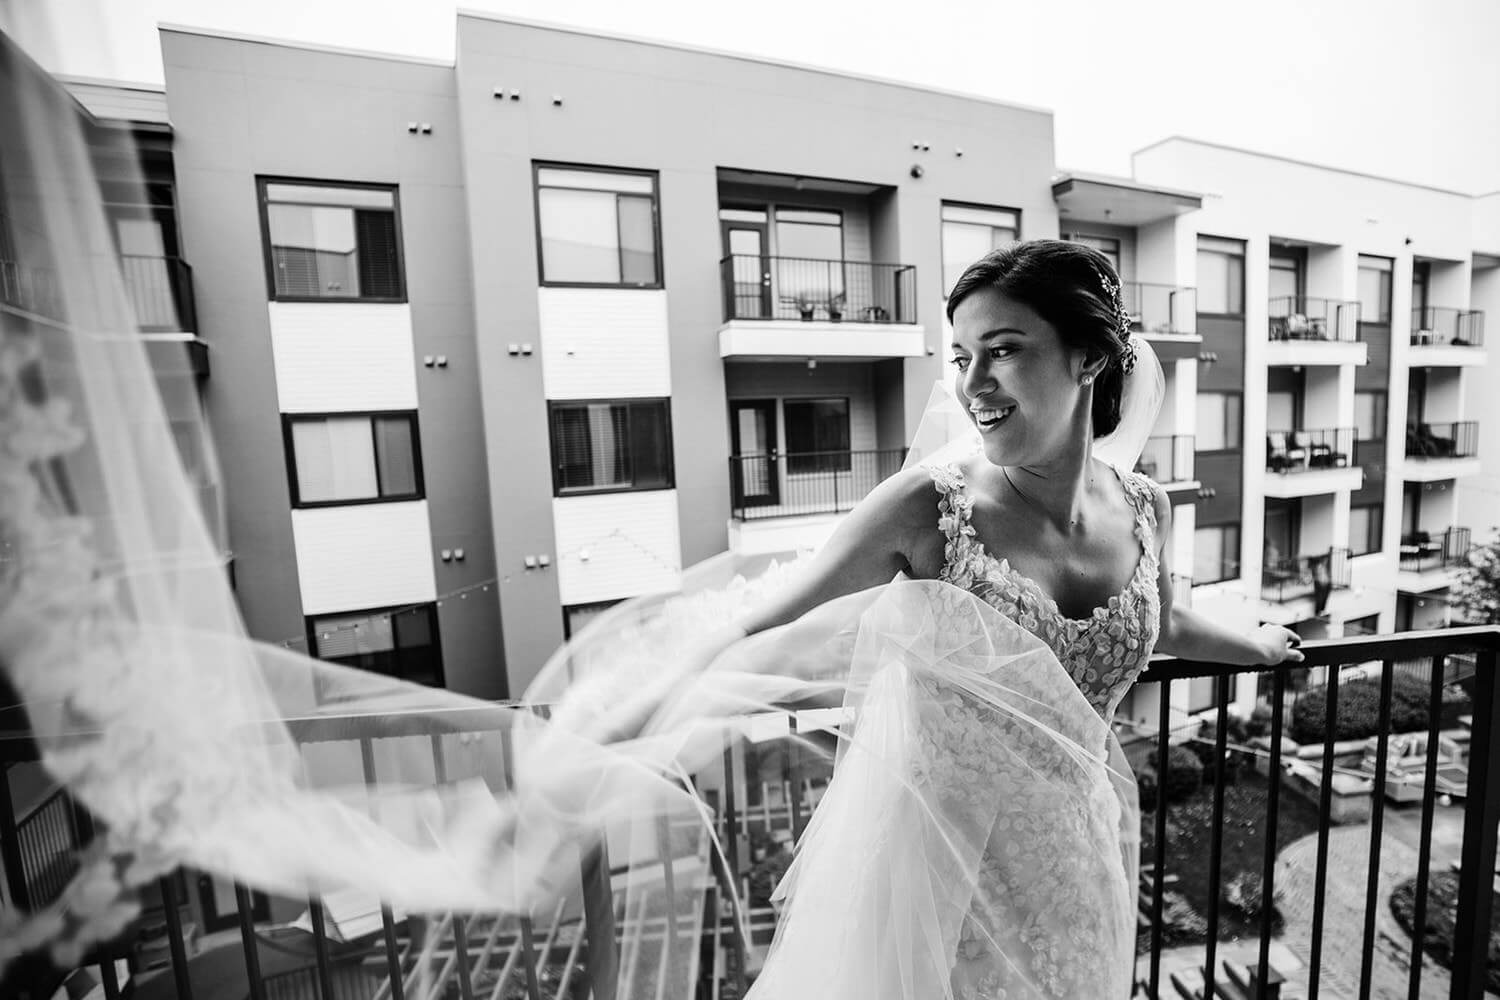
<point x="364" y="556"/>
<point x="616" y="545"/>
<point x="603" y="343"/>
<point x="343" y="357"/>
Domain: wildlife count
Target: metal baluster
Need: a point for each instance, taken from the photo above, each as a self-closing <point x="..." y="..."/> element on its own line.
<point x="664" y="846"/>
<point x="245" y="908"/>
<point x="1163" y="746"/>
<point x="180" y="974"/>
<point x="460" y="924"/>
<point x="1424" y="843"/>
<point x="533" y="989"/>
<point x="393" y="968"/>
<point x="794" y="797"/>
<point x="1216" y="836"/>
<point x="1325" y="807"/>
<point x="1377" y="823"/>
<point x="110" y="980"/>
<point x="1268" y="862"/>
<point x="1481" y="815"/>
<point x="320" y="950"/>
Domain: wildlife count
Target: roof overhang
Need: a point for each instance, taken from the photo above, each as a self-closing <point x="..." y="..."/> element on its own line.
<point x="1119" y="201"/>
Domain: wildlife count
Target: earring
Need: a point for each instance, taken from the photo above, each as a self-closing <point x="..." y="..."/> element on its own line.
<point x="1088" y="379"/>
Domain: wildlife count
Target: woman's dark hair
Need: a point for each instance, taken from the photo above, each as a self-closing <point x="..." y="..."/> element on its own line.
<point x="1066" y="284"/>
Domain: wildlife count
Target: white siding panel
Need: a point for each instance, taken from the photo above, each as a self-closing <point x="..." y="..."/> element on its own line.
<point x="604" y="343"/>
<point x="616" y="545"/>
<point x="343" y="356"/>
<point x="364" y="556"/>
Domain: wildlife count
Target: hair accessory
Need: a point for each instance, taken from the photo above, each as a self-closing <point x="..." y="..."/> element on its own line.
<point x="1115" y="293"/>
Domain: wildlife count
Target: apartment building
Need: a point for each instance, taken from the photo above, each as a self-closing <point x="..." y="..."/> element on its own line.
<point x="511" y="344"/>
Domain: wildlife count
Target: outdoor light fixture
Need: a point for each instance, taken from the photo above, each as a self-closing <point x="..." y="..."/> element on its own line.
<point x="916" y="170"/>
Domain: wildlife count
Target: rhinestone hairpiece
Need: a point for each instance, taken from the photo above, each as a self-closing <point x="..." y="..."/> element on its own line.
<point x="1113" y="290"/>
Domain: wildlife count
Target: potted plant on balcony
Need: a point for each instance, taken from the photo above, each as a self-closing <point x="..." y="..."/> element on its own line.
<point x="836" y="308"/>
<point x="806" y="306"/>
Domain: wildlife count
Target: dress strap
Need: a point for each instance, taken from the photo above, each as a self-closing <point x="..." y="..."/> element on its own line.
<point x="954" y="506"/>
<point x="1142" y="497"/>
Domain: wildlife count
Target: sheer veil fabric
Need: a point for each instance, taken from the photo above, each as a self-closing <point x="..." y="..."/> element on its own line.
<point x="186" y="739"/>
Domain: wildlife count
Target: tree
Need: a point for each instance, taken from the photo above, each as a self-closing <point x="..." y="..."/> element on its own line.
<point x="1476" y="592"/>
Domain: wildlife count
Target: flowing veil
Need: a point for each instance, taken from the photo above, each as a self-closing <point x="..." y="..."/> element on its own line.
<point x="191" y="744"/>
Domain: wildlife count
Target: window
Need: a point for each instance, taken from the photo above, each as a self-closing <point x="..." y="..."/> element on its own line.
<point x="810" y="254"/>
<point x="1369" y="416"/>
<point x="1421" y="283"/>
<point x="1221" y="276"/>
<point x="577" y="616"/>
<point x="353" y="458"/>
<point x="1375" y="288"/>
<point x="1366" y="524"/>
<point x="1107" y="245"/>
<point x="1367" y="625"/>
<point x="597" y="227"/>
<point x="605" y="446"/>
<point x="332" y="241"/>
<point x="1218" y="421"/>
<point x="1285" y="280"/>
<point x="970" y="232"/>
<point x="1216" y="553"/>
<point x="817" y="435"/>
<point x="396" y="642"/>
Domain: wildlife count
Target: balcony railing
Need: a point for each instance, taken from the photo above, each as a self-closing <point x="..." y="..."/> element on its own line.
<point x="33" y="289"/>
<point x="1161" y="309"/>
<point x="802" y="288"/>
<point x="1315" y="576"/>
<point x="1182" y="590"/>
<point x="1250" y="785"/>
<point x="1459" y="439"/>
<point x="1168" y="459"/>
<point x="1421" y="553"/>
<point x="1297" y="317"/>
<point x="1304" y="450"/>
<point x="161" y="292"/>
<point x="814" y="482"/>
<point x="1444" y="325"/>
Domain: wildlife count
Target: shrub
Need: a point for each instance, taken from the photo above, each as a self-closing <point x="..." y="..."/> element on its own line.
<point x="1441" y="914"/>
<point x="1359" y="709"/>
<point x="1244" y="893"/>
<point x="1184" y="774"/>
<point x="1180" y="923"/>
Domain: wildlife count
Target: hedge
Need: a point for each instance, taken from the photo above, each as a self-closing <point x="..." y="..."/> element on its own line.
<point x="1359" y="709"/>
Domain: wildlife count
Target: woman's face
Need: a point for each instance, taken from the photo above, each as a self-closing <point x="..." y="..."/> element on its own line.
<point x="1018" y="380"/>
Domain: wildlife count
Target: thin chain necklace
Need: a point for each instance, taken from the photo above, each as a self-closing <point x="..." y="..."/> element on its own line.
<point x="1072" y="522"/>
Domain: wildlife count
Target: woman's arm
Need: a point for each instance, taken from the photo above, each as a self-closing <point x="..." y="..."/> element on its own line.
<point x="1186" y="633"/>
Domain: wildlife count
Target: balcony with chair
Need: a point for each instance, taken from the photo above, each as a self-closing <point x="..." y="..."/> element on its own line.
<point x="1329" y="801"/>
<point x="1437" y="451"/>
<point x="1314" y="331"/>
<point x="1432" y="561"/>
<point x="1308" y="462"/>
<point x="1315" y="576"/>
<point x="1446" y="337"/>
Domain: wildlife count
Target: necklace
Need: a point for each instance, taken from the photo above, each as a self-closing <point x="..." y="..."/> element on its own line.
<point x="1072" y="522"/>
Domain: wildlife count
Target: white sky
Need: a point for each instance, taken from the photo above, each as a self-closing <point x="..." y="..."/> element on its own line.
<point x="1395" y="87"/>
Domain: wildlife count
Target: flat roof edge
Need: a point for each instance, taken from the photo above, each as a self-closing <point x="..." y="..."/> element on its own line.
<point x="292" y="43"/>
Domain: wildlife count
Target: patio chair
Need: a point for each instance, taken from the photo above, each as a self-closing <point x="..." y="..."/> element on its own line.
<point x="1421" y="441"/>
<point x="1319" y="453"/>
<point x="1281" y="453"/>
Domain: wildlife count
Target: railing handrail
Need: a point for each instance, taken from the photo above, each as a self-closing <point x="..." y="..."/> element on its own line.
<point x="1323" y="299"/>
<point x="812" y="260"/>
<point x="736" y="456"/>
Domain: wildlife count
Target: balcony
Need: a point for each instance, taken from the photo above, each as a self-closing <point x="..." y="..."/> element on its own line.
<point x="1166" y="315"/>
<point x="779" y="307"/>
<point x="1297" y="577"/>
<point x="1169" y="460"/>
<point x="1312" y="331"/>
<point x="1310" y="462"/>
<point x="1429" y="563"/>
<point x="1329" y="801"/>
<point x="781" y="502"/>
<point x="1442" y="337"/>
<point x="31" y="289"/>
<point x="1441" y="451"/>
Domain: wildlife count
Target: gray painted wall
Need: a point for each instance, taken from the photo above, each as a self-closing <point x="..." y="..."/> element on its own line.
<point x="242" y="109"/>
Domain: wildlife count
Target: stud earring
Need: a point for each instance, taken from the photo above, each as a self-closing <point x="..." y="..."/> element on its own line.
<point x="1087" y="380"/>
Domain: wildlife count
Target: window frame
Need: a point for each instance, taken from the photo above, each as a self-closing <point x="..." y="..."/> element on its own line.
<point x="1386" y="266"/>
<point x="290" y="450"/>
<point x="1375" y="532"/>
<point x="1016" y="213"/>
<point x="1219" y="245"/>
<point x="1225" y="395"/>
<point x="262" y="185"/>
<point x="786" y="425"/>
<point x="1382" y="414"/>
<point x="537" y="166"/>
<point x="1224" y="562"/>
<point x="308" y="624"/>
<point x="553" y="405"/>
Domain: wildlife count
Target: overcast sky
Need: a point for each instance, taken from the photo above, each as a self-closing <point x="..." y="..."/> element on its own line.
<point x="1390" y="87"/>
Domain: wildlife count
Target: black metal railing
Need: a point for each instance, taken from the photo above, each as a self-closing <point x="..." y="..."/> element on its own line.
<point x="1306" y="449"/>
<point x="1458" y="439"/>
<point x="47" y="840"/>
<point x="1336" y="895"/>
<point x="1298" y="317"/>
<point x="1161" y="309"/>
<point x="33" y="289"/>
<point x="1249" y="785"/>
<point x="1182" y="590"/>
<point x="1168" y="459"/>
<point x="788" y="484"/>
<point x="1445" y="325"/>
<point x="803" y="288"/>
<point x="160" y="291"/>
<point x="1421" y="553"/>
<point x="1293" y="577"/>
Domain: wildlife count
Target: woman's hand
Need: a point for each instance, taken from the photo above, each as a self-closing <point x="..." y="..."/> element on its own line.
<point x="1277" y="645"/>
